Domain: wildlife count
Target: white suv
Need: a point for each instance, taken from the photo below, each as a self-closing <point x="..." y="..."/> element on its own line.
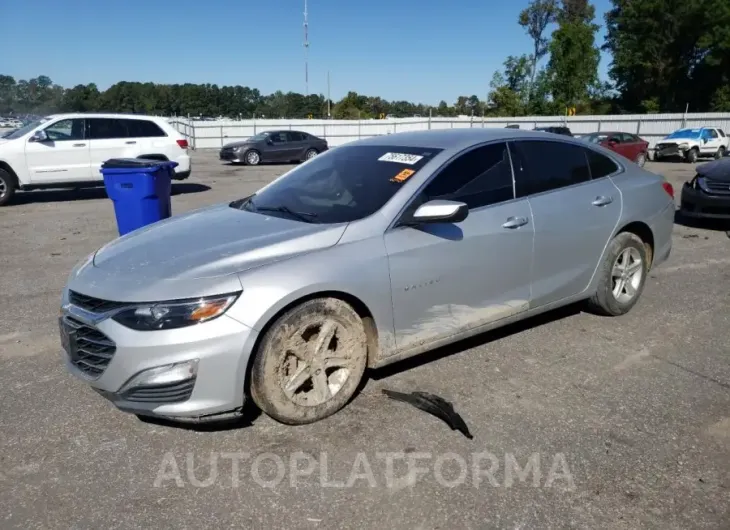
<point x="67" y="150"/>
<point x="691" y="144"/>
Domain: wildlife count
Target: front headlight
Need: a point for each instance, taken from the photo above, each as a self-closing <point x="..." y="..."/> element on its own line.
<point x="175" y="314"/>
<point x="683" y="146"/>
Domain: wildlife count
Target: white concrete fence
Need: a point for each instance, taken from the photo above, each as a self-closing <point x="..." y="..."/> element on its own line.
<point x="651" y="127"/>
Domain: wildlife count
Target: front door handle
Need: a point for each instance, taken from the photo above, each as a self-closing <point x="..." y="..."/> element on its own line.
<point x="515" y="222"/>
<point x="130" y="142"/>
<point x="602" y="201"/>
<point x="79" y="145"/>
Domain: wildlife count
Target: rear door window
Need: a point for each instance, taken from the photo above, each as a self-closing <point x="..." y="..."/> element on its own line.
<point x="542" y="166"/>
<point x="601" y="166"/>
<point x="107" y="128"/>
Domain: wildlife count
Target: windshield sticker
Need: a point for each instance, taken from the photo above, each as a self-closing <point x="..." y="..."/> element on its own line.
<point x="401" y="158"/>
<point x="403" y="176"/>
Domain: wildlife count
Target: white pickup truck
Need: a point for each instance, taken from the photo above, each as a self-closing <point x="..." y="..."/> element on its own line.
<point x="691" y="144"/>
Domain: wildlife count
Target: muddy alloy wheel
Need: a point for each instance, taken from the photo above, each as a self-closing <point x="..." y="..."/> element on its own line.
<point x="641" y="159"/>
<point x="720" y="153"/>
<point x="310" y="362"/>
<point x="253" y="158"/>
<point x="310" y="154"/>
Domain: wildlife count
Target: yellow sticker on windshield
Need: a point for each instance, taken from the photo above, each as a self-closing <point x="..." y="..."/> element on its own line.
<point x="403" y="175"/>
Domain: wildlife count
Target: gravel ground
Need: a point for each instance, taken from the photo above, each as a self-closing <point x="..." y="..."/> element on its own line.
<point x="625" y="421"/>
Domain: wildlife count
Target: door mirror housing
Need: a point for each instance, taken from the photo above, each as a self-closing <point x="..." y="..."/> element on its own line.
<point x="39" y="136"/>
<point x="440" y="211"/>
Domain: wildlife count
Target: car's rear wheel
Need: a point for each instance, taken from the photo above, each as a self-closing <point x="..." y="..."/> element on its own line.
<point x="311" y="153"/>
<point x="641" y="159"/>
<point x="622" y="276"/>
<point x="253" y="158"/>
<point x="720" y="152"/>
<point x="310" y="362"/>
<point x="7" y="187"/>
<point x="692" y="155"/>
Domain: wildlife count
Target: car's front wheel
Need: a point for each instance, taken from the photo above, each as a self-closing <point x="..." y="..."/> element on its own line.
<point x="7" y="187"/>
<point x="622" y="275"/>
<point x="253" y="158"/>
<point x="310" y="362"/>
<point x="692" y="155"/>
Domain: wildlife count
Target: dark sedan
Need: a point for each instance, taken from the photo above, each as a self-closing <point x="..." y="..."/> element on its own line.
<point x="274" y="146"/>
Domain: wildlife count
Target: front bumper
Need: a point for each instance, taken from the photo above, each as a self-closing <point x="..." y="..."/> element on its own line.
<point x="230" y="155"/>
<point x="696" y="203"/>
<point x="668" y="150"/>
<point x="219" y="349"/>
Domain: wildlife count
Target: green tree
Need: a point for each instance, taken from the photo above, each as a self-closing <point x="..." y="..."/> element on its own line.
<point x="535" y="19"/>
<point x="574" y="56"/>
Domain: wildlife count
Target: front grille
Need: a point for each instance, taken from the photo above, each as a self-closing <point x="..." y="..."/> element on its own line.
<point x="722" y="188"/>
<point x="92" y="350"/>
<point x="95" y="305"/>
<point x="170" y="393"/>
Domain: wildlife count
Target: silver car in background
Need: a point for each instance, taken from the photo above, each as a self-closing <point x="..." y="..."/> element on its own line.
<point x="370" y="253"/>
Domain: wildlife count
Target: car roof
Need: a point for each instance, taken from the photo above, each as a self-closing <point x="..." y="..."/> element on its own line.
<point x="72" y="115"/>
<point x="456" y="139"/>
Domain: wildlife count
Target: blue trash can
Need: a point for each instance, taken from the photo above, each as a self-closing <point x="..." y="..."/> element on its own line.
<point x="140" y="190"/>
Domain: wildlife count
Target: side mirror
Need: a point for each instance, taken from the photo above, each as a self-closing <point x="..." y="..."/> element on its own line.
<point x="39" y="136"/>
<point x="439" y="211"/>
<point x="270" y="141"/>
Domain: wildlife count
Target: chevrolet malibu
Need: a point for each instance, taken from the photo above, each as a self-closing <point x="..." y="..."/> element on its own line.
<point x="367" y="254"/>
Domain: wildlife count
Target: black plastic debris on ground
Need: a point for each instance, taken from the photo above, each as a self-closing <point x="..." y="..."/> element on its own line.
<point x="434" y="405"/>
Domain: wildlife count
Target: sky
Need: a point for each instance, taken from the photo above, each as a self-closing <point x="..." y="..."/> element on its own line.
<point x="396" y="49"/>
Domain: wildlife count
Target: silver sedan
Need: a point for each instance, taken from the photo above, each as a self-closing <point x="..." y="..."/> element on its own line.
<point x="370" y="253"/>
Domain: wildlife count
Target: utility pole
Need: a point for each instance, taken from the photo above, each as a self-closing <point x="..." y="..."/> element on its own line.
<point x="328" y="95"/>
<point x="306" y="50"/>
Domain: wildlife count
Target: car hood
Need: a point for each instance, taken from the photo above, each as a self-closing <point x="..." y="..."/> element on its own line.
<point x="237" y="144"/>
<point x="677" y="140"/>
<point x="195" y="253"/>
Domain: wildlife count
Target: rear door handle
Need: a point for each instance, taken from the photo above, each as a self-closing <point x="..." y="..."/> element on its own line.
<point x="514" y="222"/>
<point x="79" y="145"/>
<point x="602" y="201"/>
<point x="130" y="142"/>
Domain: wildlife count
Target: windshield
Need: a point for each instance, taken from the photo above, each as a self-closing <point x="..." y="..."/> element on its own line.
<point x="25" y="129"/>
<point x="342" y="185"/>
<point x="685" y="133"/>
<point x="258" y="137"/>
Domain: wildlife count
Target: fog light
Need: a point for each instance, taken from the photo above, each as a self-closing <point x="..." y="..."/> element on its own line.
<point x="164" y="375"/>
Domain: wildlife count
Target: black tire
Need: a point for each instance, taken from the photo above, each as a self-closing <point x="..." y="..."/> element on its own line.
<point x="8" y="185"/>
<point x="311" y="153"/>
<point x="720" y="152"/>
<point x="692" y="155"/>
<point x="252" y="158"/>
<point x="604" y="301"/>
<point x="310" y="375"/>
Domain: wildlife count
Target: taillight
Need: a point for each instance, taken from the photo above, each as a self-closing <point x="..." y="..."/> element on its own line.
<point x="668" y="188"/>
<point x="183" y="144"/>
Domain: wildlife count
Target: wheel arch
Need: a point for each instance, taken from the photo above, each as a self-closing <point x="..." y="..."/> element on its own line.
<point x="5" y="166"/>
<point x="155" y="156"/>
<point x="371" y="330"/>
<point x="642" y="231"/>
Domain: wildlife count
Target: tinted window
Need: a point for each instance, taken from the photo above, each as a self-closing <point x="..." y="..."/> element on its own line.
<point x="107" y="128"/>
<point x="600" y="165"/>
<point x="545" y="166"/>
<point x="627" y="138"/>
<point x="143" y="129"/>
<point x="341" y="185"/>
<point x="712" y="133"/>
<point x="66" y="130"/>
<point x="480" y="177"/>
<point x="722" y="133"/>
<point x="278" y="137"/>
<point x="296" y="136"/>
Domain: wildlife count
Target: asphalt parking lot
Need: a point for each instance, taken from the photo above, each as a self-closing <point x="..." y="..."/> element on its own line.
<point x="625" y="421"/>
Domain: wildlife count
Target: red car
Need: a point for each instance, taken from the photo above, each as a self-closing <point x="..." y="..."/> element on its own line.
<point x="625" y="144"/>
